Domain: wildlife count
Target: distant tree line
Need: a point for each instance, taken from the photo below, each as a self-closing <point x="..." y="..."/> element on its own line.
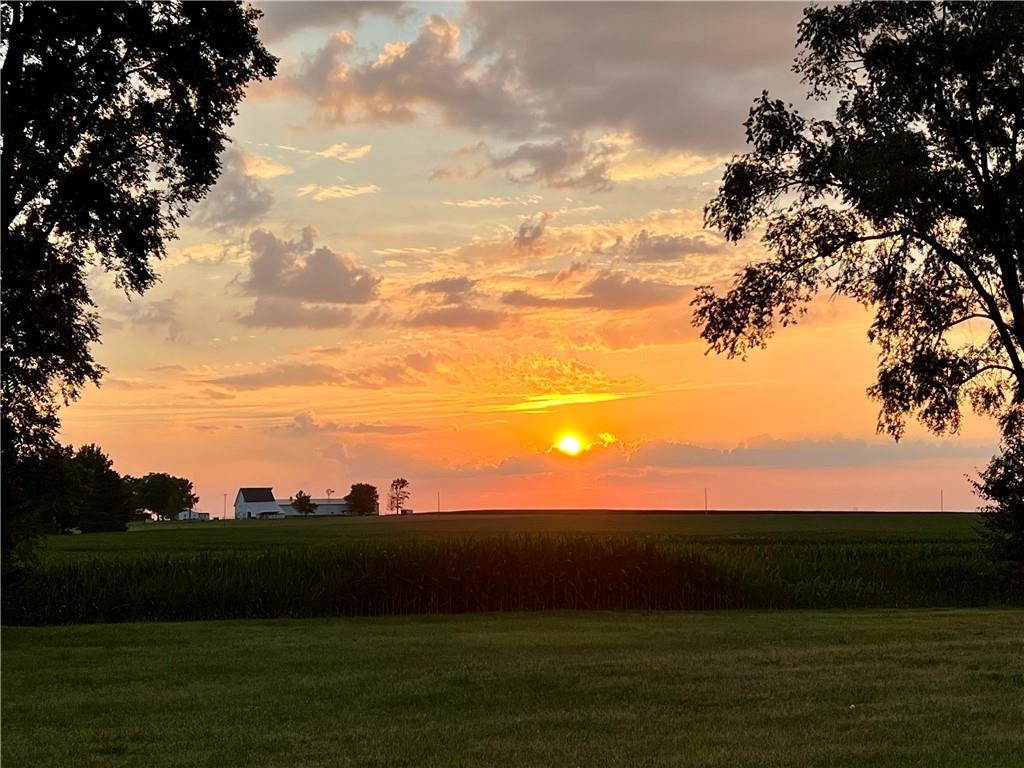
<point x="81" y="491"/>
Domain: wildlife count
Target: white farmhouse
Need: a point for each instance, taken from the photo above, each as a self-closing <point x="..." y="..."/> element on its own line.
<point x="252" y="503"/>
<point x="193" y="514"/>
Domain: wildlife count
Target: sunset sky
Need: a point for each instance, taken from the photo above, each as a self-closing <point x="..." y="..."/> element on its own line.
<point x="447" y="236"/>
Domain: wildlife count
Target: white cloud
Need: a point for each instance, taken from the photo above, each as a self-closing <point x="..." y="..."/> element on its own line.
<point x="345" y="152"/>
<point x="495" y="202"/>
<point x="321" y="192"/>
<point x="260" y="167"/>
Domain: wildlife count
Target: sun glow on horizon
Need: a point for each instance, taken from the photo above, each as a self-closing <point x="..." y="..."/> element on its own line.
<point x="570" y="445"/>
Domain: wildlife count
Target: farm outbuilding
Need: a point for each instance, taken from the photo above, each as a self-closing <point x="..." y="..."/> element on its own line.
<point x="255" y="503"/>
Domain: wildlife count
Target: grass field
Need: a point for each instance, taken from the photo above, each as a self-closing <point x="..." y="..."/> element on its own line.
<point x="250" y="535"/>
<point x="729" y="689"/>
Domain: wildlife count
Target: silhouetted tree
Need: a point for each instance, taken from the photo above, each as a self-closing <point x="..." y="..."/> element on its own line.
<point x="1002" y="484"/>
<point x="362" y="499"/>
<point x="104" y="501"/>
<point x="910" y="200"/>
<point x="113" y="118"/>
<point x="398" y="495"/>
<point x="162" y="494"/>
<point x="55" y="488"/>
<point x="302" y="504"/>
<point x="60" y="490"/>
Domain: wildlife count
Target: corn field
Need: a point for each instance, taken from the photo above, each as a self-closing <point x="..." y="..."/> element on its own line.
<point x="508" y="573"/>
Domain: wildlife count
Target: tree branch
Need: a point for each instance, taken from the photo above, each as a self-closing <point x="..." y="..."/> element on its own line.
<point x="1005" y="334"/>
<point x="986" y="368"/>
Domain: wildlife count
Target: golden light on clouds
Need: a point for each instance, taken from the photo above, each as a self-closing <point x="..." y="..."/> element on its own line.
<point x="543" y="403"/>
<point x="260" y="167"/>
<point x="321" y="192"/>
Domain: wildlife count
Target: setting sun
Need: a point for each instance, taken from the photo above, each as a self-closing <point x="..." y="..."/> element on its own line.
<point x="570" y="445"/>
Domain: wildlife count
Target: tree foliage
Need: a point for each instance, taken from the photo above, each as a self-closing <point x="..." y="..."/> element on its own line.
<point x="58" y="500"/>
<point x="362" y="499"/>
<point x="908" y="199"/>
<point x="398" y="495"/>
<point x="162" y="494"/>
<point x="53" y="489"/>
<point x="1002" y="485"/>
<point x="303" y="504"/>
<point x="104" y="499"/>
<point x="113" y="118"/>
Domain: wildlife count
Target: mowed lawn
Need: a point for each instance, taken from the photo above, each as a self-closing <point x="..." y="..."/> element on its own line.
<point x="730" y="689"/>
<point x="234" y="535"/>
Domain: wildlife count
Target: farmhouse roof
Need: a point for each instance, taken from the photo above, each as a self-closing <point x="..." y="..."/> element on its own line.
<point x="257" y="494"/>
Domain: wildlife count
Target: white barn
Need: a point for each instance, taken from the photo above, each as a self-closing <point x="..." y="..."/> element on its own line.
<point x="254" y="503"/>
<point x="193" y="514"/>
<point x="251" y="503"/>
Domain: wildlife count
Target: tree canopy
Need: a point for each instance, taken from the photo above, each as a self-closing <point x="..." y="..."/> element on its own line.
<point x="303" y="504"/>
<point x="113" y="118"/>
<point x="104" y="500"/>
<point x="362" y="499"/>
<point x="162" y="494"/>
<point x="398" y="495"/>
<point x="909" y="199"/>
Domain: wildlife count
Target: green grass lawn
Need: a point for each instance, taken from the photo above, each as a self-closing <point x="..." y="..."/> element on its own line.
<point x="192" y="537"/>
<point x="730" y="689"/>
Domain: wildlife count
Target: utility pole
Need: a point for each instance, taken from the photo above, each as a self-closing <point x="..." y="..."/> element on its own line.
<point x="942" y="500"/>
<point x="224" y="509"/>
<point x="705" y="501"/>
<point x="438" y="501"/>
